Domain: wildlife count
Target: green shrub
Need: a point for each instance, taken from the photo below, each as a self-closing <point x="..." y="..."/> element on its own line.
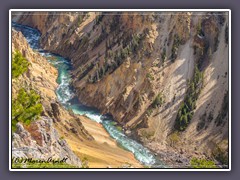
<point x="19" y="64"/>
<point x="61" y="138"/>
<point x="174" y="138"/>
<point x="147" y="134"/>
<point x="158" y="101"/>
<point x="176" y="44"/>
<point x="150" y="76"/>
<point x="113" y="123"/>
<point x="80" y="19"/>
<point x="26" y="107"/>
<point x="85" y="163"/>
<point x="149" y="111"/>
<point x="202" y="163"/>
<point x="119" y="128"/>
<point x="199" y="29"/>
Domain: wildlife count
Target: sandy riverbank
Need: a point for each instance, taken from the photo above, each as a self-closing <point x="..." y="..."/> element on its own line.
<point x="103" y="151"/>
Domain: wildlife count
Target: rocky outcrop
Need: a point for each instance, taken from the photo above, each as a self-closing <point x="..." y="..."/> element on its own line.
<point x="40" y="140"/>
<point x="122" y="63"/>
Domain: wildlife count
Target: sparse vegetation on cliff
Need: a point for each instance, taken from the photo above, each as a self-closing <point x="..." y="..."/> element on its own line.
<point x="150" y="76"/>
<point x="149" y="111"/>
<point x="19" y="64"/>
<point x="113" y="59"/>
<point x="80" y="19"/>
<point x="199" y="29"/>
<point x="187" y="107"/>
<point x="202" y="163"/>
<point x="26" y="107"/>
<point x="158" y="101"/>
<point x="176" y="44"/>
<point x="174" y="138"/>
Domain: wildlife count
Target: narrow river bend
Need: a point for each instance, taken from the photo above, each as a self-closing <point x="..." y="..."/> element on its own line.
<point x="67" y="98"/>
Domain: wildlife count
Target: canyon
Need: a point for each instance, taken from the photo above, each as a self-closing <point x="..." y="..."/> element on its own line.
<point x="162" y="76"/>
<point x="59" y="133"/>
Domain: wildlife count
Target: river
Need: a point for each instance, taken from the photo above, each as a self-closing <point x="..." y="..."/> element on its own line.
<point x="67" y="98"/>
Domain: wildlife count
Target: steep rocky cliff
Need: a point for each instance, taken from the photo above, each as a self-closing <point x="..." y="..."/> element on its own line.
<point x="163" y="76"/>
<point x="39" y="139"/>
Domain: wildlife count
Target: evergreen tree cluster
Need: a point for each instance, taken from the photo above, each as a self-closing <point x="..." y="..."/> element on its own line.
<point x="187" y="107"/>
<point x="114" y="59"/>
<point x="158" y="102"/>
<point x="19" y="64"/>
<point x="26" y="107"/>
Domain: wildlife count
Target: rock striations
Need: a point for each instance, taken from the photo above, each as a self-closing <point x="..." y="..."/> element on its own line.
<point x="163" y="77"/>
